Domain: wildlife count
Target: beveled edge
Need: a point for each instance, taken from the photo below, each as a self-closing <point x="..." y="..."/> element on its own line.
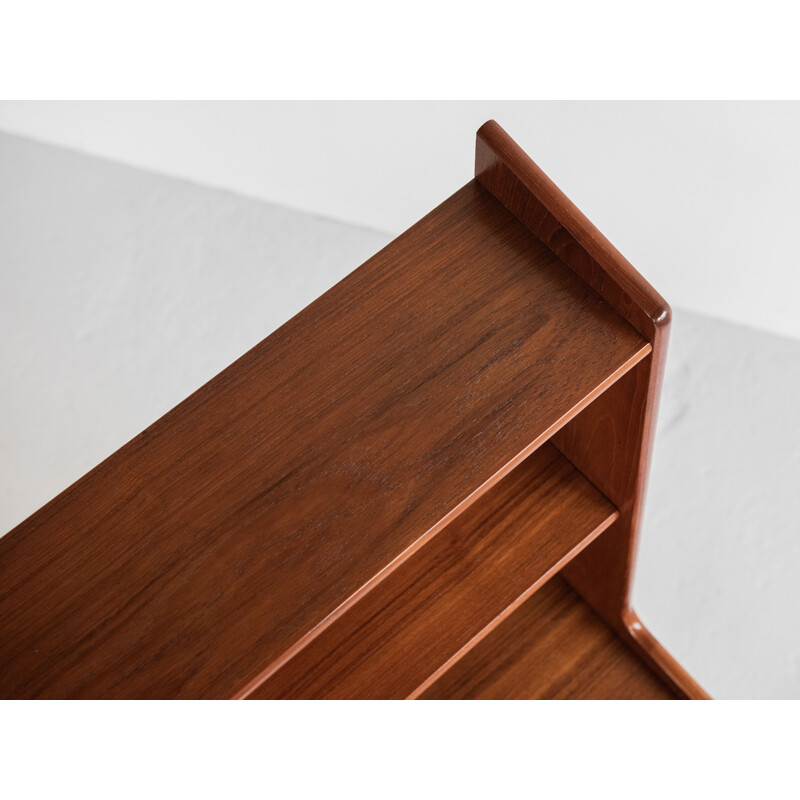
<point x="498" y="157"/>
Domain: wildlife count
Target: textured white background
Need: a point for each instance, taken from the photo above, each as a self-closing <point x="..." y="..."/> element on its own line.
<point x="121" y="292"/>
<point x="701" y="197"/>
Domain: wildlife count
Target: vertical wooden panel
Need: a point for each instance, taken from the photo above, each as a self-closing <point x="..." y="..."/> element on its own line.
<point x="610" y="442"/>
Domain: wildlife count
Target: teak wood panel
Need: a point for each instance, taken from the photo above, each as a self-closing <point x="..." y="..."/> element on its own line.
<point x="235" y="528"/>
<point x="442" y="599"/>
<point x="554" y="647"/>
<point x="611" y="441"/>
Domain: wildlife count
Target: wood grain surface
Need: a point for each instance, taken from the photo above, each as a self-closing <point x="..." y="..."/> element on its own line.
<point x="231" y="532"/>
<point x="555" y="647"/>
<point x="441" y="600"/>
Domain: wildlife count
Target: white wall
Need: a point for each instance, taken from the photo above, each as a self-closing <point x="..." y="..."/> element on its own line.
<point x="701" y="197"/>
<point x="718" y="570"/>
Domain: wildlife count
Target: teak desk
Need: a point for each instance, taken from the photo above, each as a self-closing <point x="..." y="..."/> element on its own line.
<point x="426" y="484"/>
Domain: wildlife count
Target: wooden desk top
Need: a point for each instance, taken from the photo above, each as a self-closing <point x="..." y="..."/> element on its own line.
<point x="210" y="545"/>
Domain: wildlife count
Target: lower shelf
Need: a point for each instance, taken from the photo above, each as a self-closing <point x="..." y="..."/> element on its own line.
<point x="553" y="647"/>
<point x="395" y="640"/>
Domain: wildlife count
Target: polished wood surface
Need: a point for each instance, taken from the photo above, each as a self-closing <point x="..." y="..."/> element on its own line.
<point x="443" y="598"/>
<point x="374" y="500"/>
<point x="236" y="528"/>
<point x="555" y="647"/>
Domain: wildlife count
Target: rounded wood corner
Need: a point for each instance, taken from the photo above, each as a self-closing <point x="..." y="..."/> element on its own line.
<point x="654" y="652"/>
